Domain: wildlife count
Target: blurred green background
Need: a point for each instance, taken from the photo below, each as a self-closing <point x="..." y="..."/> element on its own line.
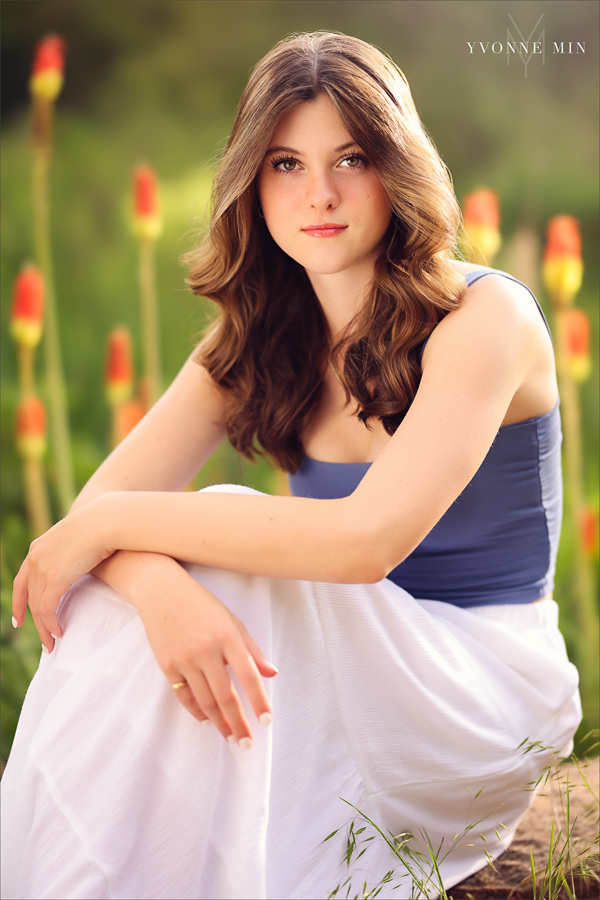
<point x="159" y="80"/>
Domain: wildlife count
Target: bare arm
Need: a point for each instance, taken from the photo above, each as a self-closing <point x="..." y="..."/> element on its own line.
<point x="181" y="618"/>
<point x="171" y="443"/>
<point x="478" y="359"/>
<point x="163" y="453"/>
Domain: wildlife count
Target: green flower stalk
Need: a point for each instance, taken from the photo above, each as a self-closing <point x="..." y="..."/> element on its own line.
<point x="45" y="84"/>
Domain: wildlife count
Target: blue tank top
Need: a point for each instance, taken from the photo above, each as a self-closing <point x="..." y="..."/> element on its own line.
<point x="497" y="543"/>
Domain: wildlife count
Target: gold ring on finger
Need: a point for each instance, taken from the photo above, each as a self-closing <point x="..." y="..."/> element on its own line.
<point x="178" y="685"/>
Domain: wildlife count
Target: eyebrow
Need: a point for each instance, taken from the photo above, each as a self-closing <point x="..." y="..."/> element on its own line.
<point x="339" y="149"/>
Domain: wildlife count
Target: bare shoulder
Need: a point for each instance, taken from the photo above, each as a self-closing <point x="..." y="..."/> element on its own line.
<point x="497" y="306"/>
<point x="495" y="343"/>
<point x="195" y="378"/>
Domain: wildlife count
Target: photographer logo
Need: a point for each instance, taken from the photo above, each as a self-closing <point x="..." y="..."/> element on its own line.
<point x="517" y="46"/>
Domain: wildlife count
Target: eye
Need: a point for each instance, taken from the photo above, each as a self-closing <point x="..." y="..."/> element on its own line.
<point x="354" y="161"/>
<point x="284" y="164"/>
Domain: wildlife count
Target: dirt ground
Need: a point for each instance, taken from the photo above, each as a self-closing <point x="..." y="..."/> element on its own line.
<point x="511" y="877"/>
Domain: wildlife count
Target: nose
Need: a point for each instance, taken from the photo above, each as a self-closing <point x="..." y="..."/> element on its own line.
<point x="322" y="191"/>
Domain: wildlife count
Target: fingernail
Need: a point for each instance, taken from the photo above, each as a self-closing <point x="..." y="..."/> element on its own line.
<point x="245" y="743"/>
<point x="206" y="722"/>
<point x="55" y="636"/>
<point x="265" y="718"/>
<point x="231" y="739"/>
<point x="45" y="649"/>
<point x="15" y="623"/>
<point x="275" y="669"/>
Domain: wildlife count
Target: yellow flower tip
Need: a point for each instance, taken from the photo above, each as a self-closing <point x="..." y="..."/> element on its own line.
<point x="25" y="332"/>
<point x="580" y="367"/>
<point x="484" y="238"/>
<point x="46" y="85"/>
<point x="118" y="392"/>
<point x="147" y="228"/>
<point x="562" y="277"/>
<point x="31" y="447"/>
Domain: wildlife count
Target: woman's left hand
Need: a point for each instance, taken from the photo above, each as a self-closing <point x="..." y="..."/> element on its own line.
<point x="56" y="560"/>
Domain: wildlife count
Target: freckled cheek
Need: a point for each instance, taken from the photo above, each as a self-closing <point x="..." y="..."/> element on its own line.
<point x="280" y="219"/>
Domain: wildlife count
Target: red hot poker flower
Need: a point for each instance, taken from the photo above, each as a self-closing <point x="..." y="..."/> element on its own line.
<point x="31" y="428"/>
<point x="147" y="219"/>
<point x="576" y="327"/>
<point x="146" y="201"/>
<point x="578" y="332"/>
<point x="27" y="312"/>
<point x="48" y="66"/>
<point x="482" y="208"/>
<point x="563" y="237"/>
<point x="119" y="367"/>
<point x="563" y="267"/>
<point x="482" y="220"/>
<point x="588" y="524"/>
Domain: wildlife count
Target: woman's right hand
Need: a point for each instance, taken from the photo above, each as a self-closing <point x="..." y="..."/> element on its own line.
<point x="194" y="637"/>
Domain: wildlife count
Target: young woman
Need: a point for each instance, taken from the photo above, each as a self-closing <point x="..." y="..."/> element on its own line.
<point x="404" y="591"/>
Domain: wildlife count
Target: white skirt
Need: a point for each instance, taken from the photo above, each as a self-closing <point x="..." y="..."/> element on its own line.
<point x="426" y="717"/>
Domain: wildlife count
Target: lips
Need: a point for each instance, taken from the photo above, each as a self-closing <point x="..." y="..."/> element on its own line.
<point x="327" y="229"/>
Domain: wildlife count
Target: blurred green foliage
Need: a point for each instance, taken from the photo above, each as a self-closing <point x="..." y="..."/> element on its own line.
<point x="159" y="81"/>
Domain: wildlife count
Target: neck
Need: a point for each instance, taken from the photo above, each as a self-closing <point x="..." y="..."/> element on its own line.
<point x="342" y="294"/>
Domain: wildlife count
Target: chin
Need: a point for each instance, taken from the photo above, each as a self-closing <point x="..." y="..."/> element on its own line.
<point x="325" y="269"/>
<point x="323" y="266"/>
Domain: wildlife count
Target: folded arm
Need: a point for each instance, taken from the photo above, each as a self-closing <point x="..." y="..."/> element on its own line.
<point x="479" y="361"/>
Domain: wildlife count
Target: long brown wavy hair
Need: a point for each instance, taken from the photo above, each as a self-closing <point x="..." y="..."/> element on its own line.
<point x="270" y="345"/>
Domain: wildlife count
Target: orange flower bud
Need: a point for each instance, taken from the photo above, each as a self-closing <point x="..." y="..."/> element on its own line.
<point x="127" y="415"/>
<point x="563" y="237"/>
<point x="119" y="367"/>
<point x="482" y="208"/>
<point x="562" y="268"/>
<point x="588" y="524"/>
<point x="48" y="65"/>
<point x="147" y="223"/>
<point x="482" y="220"/>
<point x="576" y="328"/>
<point x="31" y="428"/>
<point x="26" y="318"/>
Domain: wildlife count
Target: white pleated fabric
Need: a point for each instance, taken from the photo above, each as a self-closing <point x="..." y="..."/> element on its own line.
<point x="405" y="708"/>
